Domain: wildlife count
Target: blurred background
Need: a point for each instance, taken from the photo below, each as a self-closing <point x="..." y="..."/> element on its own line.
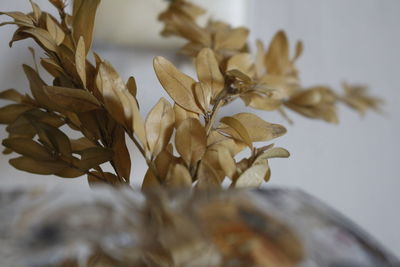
<point x="351" y="166"/>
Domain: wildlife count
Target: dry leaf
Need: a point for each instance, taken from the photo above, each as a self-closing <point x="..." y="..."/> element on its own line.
<point x="84" y="13"/>
<point x="37" y="166"/>
<point x="240" y="130"/>
<point x="178" y="85"/>
<point x="54" y="30"/>
<point x="179" y="177"/>
<point x="159" y="126"/>
<point x="208" y="71"/>
<point x="191" y="141"/>
<point x="28" y="148"/>
<point x="80" y="60"/>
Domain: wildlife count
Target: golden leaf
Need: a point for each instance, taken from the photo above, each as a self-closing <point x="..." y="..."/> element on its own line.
<point x="80" y="60"/>
<point x="74" y="100"/>
<point x="54" y="29"/>
<point x="242" y="62"/>
<point x="253" y="177"/>
<point x="239" y="129"/>
<point x="84" y="13"/>
<point x="178" y="85"/>
<point x="203" y="95"/>
<point x="208" y="71"/>
<point x="19" y="17"/>
<point x="258" y="129"/>
<point x="191" y="141"/>
<point x="159" y="126"/>
<point x="234" y="39"/>
<point x="182" y="114"/>
<point x="52" y="67"/>
<point x="43" y="37"/>
<point x="277" y="57"/>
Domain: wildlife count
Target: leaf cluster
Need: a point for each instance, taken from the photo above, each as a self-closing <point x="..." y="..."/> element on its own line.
<point x="184" y="143"/>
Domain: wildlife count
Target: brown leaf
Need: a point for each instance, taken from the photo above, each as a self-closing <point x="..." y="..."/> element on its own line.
<point x="55" y="30"/>
<point x="12" y="95"/>
<point x="191" y="141"/>
<point x="93" y="157"/>
<point x="159" y="126"/>
<point x="178" y="85"/>
<point x="131" y="85"/>
<point x="277" y="57"/>
<point x="28" y="148"/>
<point x="80" y="60"/>
<point x="70" y="172"/>
<point x="121" y="156"/>
<point x="84" y="13"/>
<point x="75" y="100"/>
<point x="208" y="71"/>
<point x="43" y="37"/>
<point x="10" y="113"/>
<point x="239" y="129"/>
<point x="37" y="166"/>
<point x="97" y="178"/>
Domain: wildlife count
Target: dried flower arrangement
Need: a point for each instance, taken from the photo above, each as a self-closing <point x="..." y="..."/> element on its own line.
<point x="91" y="98"/>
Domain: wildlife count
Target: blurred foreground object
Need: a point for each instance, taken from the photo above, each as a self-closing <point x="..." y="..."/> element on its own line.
<point x="109" y="227"/>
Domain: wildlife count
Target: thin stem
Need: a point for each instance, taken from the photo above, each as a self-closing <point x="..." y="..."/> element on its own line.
<point x="214" y="113"/>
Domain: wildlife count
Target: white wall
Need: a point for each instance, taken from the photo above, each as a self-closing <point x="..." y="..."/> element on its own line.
<point x="352" y="166"/>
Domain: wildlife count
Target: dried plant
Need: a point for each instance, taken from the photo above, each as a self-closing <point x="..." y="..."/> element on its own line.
<point x="92" y="99"/>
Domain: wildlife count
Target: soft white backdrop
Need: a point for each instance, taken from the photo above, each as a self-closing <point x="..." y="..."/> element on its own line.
<point x="353" y="165"/>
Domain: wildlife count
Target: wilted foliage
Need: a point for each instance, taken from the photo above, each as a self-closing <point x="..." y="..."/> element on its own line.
<point x="91" y="98"/>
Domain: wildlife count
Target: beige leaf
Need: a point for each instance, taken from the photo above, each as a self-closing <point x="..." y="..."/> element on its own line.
<point x="159" y="126"/>
<point x="203" y="95"/>
<point x="19" y="17"/>
<point x="37" y="13"/>
<point x="84" y="13"/>
<point x="226" y="161"/>
<point x="231" y="40"/>
<point x="43" y="37"/>
<point x="28" y="148"/>
<point x="239" y="129"/>
<point x="276" y="152"/>
<point x="277" y="57"/>
<point x="299" y="50"/>
<point x="111" y="86"/>
<point x="258" y="129"/>
<point x="243" y="62"/>
<point x="191" y="141"/>
<point x="75" y="100"/>
<point x="182" y="114"/>
<point x="80" y="60"/>
<point x="179" y="177"/>
<point x="260" y="59"/>
<point x="54" y="29"/>
<point x="178" y="85"/>
<point x="37" y="166"/>
<point x="252" y="177"/>
<point x="208" y="71"/>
